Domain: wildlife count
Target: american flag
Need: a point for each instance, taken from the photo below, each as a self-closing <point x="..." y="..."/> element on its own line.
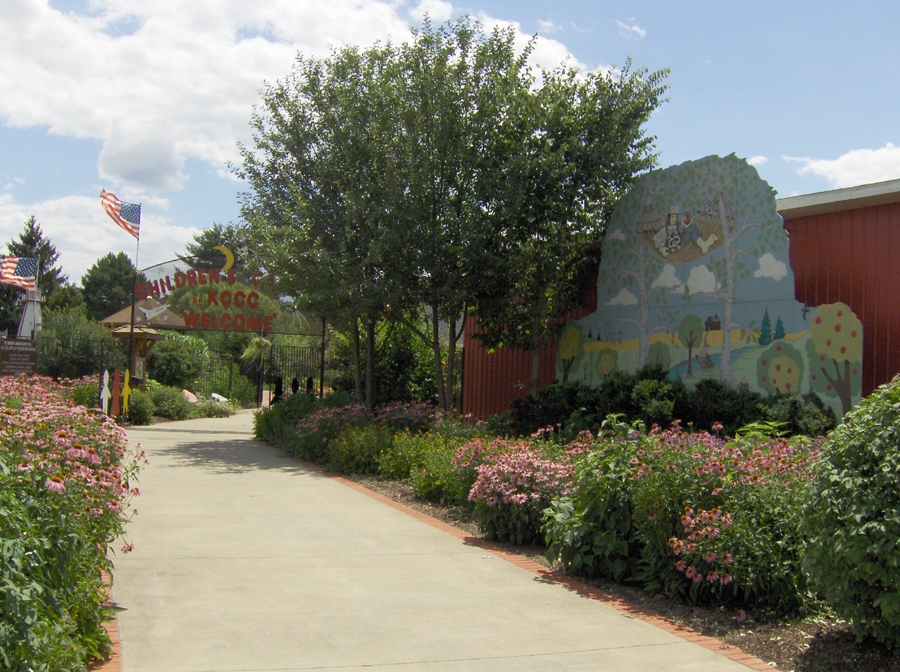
<point x="126" y="215"/>
<point x="19" y="271"/>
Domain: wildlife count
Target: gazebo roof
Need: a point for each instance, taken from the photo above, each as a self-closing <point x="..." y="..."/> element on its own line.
<point x="149" y="312"/>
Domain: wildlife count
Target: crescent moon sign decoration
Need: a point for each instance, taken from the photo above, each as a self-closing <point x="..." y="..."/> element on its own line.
<point x="229" y="256"/>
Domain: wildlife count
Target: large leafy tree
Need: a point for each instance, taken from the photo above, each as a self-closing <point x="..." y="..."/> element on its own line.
<point x="323" y="211"/>
<point x="457" y="86"/>
<point x="575" y="144"/>
<point x="30" y="243"/>
<point x="108" y="285"/>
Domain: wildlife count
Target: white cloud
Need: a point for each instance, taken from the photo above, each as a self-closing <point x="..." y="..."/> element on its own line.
<point x="856" y="167"/>
<point x="181" y="84"/>
<point x="166" y="81"/>
<point x="770" y="267"/>
<point x="701" y="280"/>
<point x="669" y="279"/>
<point x="437" y="10"/>
<point x="757" y="160"/>
<point x="548" y="27"/>
<point x="547" y="53"/>
<point x="623" y="298"/>
<point x="631" y="29"/>
<point x="616" y="234"/>
<point x="82" y="232"/>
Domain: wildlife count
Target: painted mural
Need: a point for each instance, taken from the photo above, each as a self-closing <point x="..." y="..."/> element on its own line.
<point x="696" y="277"/>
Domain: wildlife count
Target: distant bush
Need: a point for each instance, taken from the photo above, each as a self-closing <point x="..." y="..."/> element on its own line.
<point x="170" y="403"/>
<point x="356" y="449"/>
<point x="179" y="360"/>
<point x="140" y="409"/>
<point x="210" y="408"/>
<point x="851" y="518"/>
<point x="275" y="423"/>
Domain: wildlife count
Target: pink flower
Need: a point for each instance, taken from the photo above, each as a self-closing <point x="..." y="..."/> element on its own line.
<point x="55" y="484"/>
<point x="741" y="616"/>
<point x="710" y="557"/>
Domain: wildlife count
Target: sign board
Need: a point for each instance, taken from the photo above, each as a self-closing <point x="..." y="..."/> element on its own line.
<point x="17" y="355"/>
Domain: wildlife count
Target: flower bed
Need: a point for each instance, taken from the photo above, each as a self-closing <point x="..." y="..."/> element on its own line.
<point x="65" y="486"/>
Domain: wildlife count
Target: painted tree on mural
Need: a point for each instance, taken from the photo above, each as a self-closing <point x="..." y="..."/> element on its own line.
<point x="835" y="353"/>
<point x="690" y="333"/>
<point x="569" y="347"/>
<point x="736" y="191"/>
<point x="659" y="356"/>
<point x="780" y="369"/>
<point x="765" y="329"/>
<point x="607" y="361"/>
<point x="632" y="266"/>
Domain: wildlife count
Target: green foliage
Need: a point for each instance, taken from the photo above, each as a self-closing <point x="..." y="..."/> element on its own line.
<point x="65" y="296"/>
<point x="170" y="403"/>
<point x="435" y="477"/>
<point x="851" y="518"/>
<point x="552" y="406"/>
<point x="179" y="360"/>
<point x="210" y="408"/>
<point x="108" y="285"/>
<point x="711" y="402"/>
<point x="275" y="423"/>
<point x="86" y="394"/>
<point x="62" y="502"/>
<point x="404" y="366"/>
<point x="72" y="346"/>
<point x="141" y="409"/>
<point x="31" y="243"/>
<point x="797" y="414"/>
<point x="356" y="449"/>
<point x="689" y="515"/>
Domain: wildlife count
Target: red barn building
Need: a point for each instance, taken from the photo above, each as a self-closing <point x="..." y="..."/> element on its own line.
<point x="845" y="246"/>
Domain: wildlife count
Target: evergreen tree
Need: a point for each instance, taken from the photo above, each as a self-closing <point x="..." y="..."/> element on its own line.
<point x="108" y="285"/>
<point x="779" y="329"/>
<point x="765" y="329"/>
<point x="31" y="243"/>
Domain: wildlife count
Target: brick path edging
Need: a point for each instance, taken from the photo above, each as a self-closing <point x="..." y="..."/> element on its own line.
<point x="714" y="645"/>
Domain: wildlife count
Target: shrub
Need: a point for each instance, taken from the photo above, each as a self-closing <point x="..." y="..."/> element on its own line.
<point x="64" y="493"/>
<point x="170" y="403"/>
<point x="712" y="403"/>
<point x="141" y="409"/>
<point x="411" y="417"/>
<point x="85" y="394"/>
<point x="275" y="423"/>
<point x="210" y="408"/>
<point x="179" y="360"/>
<point x="356" y="449"/>
<point x="314" y="433"/>
<point x="515" y="482"/>
<point x="797" y="414"/>
<point x="552" y="406"/>
<point x="851" y="518"/>
<point x="71" y="346"/>
<point x="689" y="515"/>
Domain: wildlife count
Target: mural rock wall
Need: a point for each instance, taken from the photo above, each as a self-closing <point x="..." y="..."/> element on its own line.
<point x="696" y="278"/>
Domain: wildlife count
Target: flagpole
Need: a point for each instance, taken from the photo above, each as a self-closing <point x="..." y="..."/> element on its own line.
<point x="131" y="361"/>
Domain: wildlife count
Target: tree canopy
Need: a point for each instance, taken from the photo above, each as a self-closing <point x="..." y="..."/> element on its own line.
<point x="108" y="285"/>
<point x="425" y="180"/>
<point x="30" y="243"/>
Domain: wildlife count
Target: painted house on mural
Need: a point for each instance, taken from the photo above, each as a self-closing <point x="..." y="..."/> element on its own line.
<point x="678" y="281"/>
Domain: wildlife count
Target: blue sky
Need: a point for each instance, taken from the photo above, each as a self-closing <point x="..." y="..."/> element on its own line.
<point x="149" y="98"/>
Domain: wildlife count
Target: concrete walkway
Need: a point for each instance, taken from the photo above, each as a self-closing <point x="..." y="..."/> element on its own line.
<point x="247" y="560"/>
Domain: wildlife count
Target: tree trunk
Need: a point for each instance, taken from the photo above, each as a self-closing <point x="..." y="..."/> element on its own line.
<point x="451" y="364"/>
<point x="536" y="347"/>
<point x="370" y="362"/>
<point x="357" y="366"/>
<point x="438" y="363"/>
